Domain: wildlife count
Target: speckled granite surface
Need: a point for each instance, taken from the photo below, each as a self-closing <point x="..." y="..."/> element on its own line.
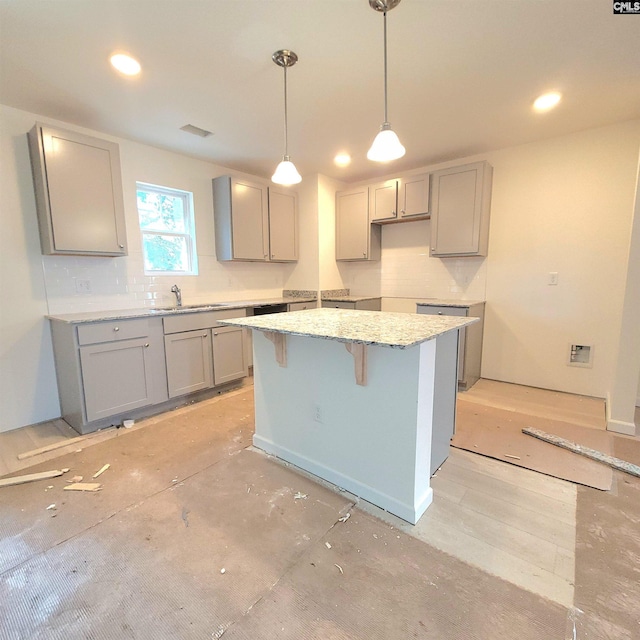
<point x="398" y="330"/>
<point x="348" y="298"/>
<point x="97" y="316"/>
<point x="444" y="302"/>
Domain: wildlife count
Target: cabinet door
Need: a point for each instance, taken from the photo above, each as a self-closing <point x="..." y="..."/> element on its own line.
<point x="241" y="219"/>
<point x="413" y="196"/>
<point x="355" y="237"/>
<point x="250" y="217"/>
<point x="116" y="377"/>
<point x="229" y="362"/>
<point x="283" y="225"/>
<point x="189" y="362"/>
<point x="383" y="201"/>
<point x="460" y="210"/>
<point x="78" y="193"/>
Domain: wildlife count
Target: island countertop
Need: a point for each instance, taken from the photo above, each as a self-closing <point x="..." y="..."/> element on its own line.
<point x="379" y="328"/>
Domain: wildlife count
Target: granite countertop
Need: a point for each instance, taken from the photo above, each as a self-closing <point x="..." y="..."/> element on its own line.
<point x="398" y="330"/>
<point x="445" y="302"/>
<point x="122" y="314"/>
<point x="348" y="298"/>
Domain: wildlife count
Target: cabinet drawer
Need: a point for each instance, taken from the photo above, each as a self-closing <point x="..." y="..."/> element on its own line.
<point x="435" y="310"/>
<point x="338" y="305"/>
<point x="301" y="306"/>
<point x="197" y="321"/>
<point x="112" y="330"/>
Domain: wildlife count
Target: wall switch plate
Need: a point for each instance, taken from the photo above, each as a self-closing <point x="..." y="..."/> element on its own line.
<point x="317" y="413"/>
<point x="83" y="286"/>
<point x="553" y="278"/>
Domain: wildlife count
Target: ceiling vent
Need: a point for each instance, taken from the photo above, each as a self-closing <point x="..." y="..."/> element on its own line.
<point x="196" y="131"/>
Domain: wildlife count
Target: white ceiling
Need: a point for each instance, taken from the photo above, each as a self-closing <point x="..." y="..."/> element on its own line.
<point x="462" y="74"/>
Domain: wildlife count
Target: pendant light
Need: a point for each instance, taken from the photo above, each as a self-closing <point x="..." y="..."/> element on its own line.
<point x="286" y="172"/>
<point x="386" y="145"/>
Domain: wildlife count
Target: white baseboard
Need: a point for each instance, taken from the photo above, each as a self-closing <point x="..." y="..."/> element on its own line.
<point x="410" y="513"/>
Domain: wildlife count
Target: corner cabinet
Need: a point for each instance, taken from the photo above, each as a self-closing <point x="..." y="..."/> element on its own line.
<point x="254" y="222"/>
<point x="356" y="237"/>
<point x="460" y="208"/>
<point x="78" y="189"/>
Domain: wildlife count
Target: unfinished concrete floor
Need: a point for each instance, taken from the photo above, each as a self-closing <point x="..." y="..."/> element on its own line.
<point x="185" y="499"/>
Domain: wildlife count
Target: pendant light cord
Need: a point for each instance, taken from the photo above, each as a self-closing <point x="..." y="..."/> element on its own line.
<point x="286" y="136"/>
<point x="385" y="67"/>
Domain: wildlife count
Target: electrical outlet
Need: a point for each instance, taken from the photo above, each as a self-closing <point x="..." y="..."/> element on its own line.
<point x="83" y="286"/>
<point x="317" y="413"/>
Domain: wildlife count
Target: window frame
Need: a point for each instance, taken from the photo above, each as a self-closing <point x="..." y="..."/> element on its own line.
<point x="189" y="234"/>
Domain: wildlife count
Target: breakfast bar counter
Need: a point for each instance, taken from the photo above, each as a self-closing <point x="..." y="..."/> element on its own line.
<point x="363" y="399"/>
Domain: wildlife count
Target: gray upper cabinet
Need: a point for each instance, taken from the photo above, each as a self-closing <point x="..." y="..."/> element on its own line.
<point x="283" y="225"/>
<point x="460" y="207"/>
<point x="356" y="237"/>
<point x="253" y="222"/>
<point x="78" y="188"/>
<point x="383" y="201"/>
<point x="241" y="218"/>
<point x="413" y="197"/>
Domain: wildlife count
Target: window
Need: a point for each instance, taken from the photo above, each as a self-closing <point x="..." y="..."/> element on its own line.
<point x="168" y="233"/>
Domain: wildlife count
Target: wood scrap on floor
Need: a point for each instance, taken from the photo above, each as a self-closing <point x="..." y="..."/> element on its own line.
<point x="56" y="445"/>
<point x="30" y="477"/>
<point x="83" y="486"/>
<point x="592" y="454"/>
<point x="101" y="471"/>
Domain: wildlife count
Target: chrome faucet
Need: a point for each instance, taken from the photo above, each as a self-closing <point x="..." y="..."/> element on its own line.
<point x="176" y="289"/>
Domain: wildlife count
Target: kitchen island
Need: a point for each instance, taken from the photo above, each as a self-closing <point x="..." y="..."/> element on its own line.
<point x="363" y="399"/>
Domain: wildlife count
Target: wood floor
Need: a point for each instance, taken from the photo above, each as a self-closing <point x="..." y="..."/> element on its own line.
<point x="509" y="521"/>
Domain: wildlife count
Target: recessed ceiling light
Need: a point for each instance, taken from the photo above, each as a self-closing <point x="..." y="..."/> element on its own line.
<point x="342" y="159"/>
<point x="125" y="64"/>
<point x="546" y="101"/>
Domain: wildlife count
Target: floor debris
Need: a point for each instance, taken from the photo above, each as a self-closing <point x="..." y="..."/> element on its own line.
<point x="300" y="496"/>
<point x="76" y="479"/>
<point x="51" y="506"/>
<point x="326" y="544"/>
<point x="344" y="518"/>
<point x="223" y="570"/>
<point x="83" y="486"/>
<point x="30" y="477"/>
<point x="506" y="455"/>
<point x="101" y="471"/>
<point x="339" y="567"/>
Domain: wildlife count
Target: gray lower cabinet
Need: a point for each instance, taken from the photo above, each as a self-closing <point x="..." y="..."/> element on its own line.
<point x="229" y="361"/>
<point x="189" y="362"/>
<point x="469" y="339"/>
<point x="201" y="353"/>
<point x="107" y="369"/>
<point x="371" y="304"/>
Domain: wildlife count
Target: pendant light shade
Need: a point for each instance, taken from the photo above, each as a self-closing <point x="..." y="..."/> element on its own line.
<point x="286" y="173"/>
<point x="386" y="145"/>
